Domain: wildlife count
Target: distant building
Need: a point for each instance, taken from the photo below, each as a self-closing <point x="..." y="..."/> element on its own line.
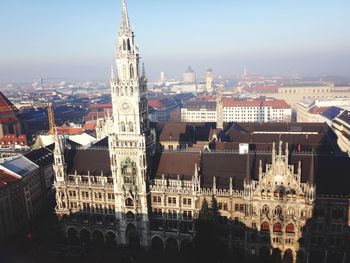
<point x="21" y="195"/>
<point x="293" y="93"/>
<point x="260" y="110"/>
<point x="210" y="81"/>
<point x="321" y="110"/>
<point x="341" y="127"/>
<point x="189" y="77"/>
<point x="162" y="109"/>
<point x="11" y="130"/>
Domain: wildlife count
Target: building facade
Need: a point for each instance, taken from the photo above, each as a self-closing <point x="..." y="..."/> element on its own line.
<point x="237" y="111"/>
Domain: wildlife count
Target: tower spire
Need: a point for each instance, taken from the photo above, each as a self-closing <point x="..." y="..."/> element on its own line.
<point x="125" y="17"/>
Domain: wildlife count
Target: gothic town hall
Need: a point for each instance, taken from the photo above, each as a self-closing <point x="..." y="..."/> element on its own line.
<point x="282" y="186"/>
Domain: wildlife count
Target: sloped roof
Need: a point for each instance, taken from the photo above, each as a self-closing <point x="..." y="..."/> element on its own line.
<point x="21" y="166"/>
<point x="6" y="178"/>
<point x="6" y="105"/>
<point x="93" y="160"/>
<point x="172" y="164"/>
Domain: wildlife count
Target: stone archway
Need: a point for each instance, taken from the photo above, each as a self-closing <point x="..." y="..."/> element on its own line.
<point x="157" y="244"/>
<point x="72" y="235"/>
<point x="85" y="236"/>
<point x="288" y="256"/>
<point x="276" y="255"/>
<point x="171" y="245"/>
<point x="132" y="236"/>
<point x="111" y="239"/>
<point x="98" y="238"/>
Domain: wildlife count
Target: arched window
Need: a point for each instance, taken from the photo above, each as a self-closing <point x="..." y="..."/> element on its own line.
<point x="290" y="228"/>
<point x="129" y="46"/>
<point x="278" y="211"/>
<point x="265" y="210"/>
<point x="131" y="127"/>
<point x="130" y="215"/>
<point x="131" y="91"/>
<point x="265" y="227"/>
<point x="129" y="202"/>
<point x="277" y="227"/>
<point x="124" y="45"/>
<point x="123" y="128"/>
<point x="131" y="71"/>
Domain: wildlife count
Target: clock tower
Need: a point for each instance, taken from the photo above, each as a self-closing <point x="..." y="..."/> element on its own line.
<point x="130" y="143"/>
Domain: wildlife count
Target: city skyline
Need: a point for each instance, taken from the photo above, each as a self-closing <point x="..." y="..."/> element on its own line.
<point x="46" y="40"/>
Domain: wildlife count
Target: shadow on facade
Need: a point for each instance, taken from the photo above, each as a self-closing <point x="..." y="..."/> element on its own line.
<point x="326" y="235"/>
<point x="173" y="238"/>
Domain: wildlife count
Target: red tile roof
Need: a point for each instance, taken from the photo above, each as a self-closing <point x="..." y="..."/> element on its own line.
<point x="101" y="106"/>
<point x="90" y="125"/>
<point x="12" y="139"/>
<point x="6" y="105"/>
<point x="155" y="103"/>
<point x="69" y="131"/>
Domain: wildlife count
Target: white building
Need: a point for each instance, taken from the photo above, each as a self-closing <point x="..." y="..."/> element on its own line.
<point x="238" y="111"/>
<point x="321" y="110"/>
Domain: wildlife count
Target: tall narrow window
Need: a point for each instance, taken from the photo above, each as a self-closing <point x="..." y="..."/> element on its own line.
<point x="123" y="127"/>
<point x="131" y="127"/>
<point x="131" y="71"/>
<point x="129" y="46"/>
<point x="124" y="45"/>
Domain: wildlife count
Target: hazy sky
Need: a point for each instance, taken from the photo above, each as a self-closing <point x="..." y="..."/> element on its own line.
<point x="75" y="39"/>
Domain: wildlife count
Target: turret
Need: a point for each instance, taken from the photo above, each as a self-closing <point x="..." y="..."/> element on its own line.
<point x="59" y="161"/>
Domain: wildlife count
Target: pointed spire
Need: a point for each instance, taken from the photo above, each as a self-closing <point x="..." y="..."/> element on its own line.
<point x="125" y="17"/>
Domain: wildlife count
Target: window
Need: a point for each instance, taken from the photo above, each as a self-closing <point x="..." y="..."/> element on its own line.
<point x="290" y="228"/>
<point x="157" y="212"/>
<point x="85" y="195"/>
<point x="74" y="205"/>
<point x="277" y="227"/>
<point x="110" y="196"/>
<point x="172" y="214"/>
<point x="172" y="200"/>
<point x="187" y="201"/>
<point x="265" y="227"/>
<point x="187" y="215"/>
<point x="123" y="129"/>
<point x="131" y="127"/>
<point x="129" y="202"/>
<point x="86" y="207"/>
<point x="98" y="195"/>
<point x="72" y="193"/>
<point x="157" y="199"/>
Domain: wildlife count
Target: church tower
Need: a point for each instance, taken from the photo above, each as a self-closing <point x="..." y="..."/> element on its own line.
<point x="219" y="108"/>
<point x="130" y="142"/>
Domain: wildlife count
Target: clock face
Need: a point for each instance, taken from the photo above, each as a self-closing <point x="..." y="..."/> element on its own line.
<point x="125" y="106"/>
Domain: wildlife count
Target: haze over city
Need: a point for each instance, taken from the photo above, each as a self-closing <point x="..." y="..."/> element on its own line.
<point x="72" y="39"/>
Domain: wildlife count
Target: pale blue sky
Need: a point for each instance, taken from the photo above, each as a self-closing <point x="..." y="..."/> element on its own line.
<point x="75" y="39"/>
